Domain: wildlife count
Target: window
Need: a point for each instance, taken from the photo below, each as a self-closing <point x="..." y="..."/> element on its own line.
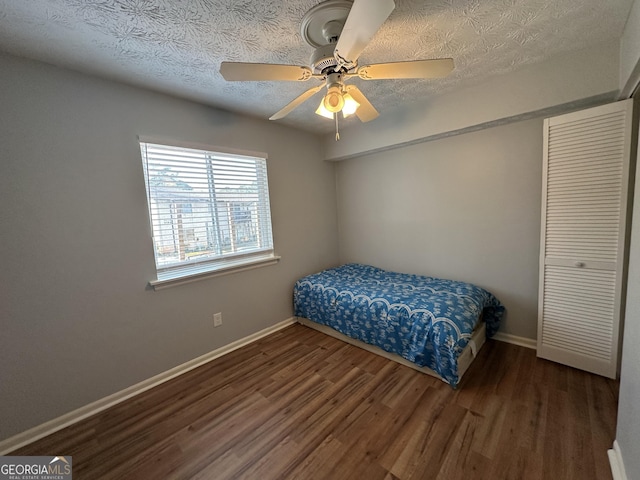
<point x="209" y="211"/>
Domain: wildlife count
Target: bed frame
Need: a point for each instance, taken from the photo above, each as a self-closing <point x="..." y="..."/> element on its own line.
<point x="478" y="339"/>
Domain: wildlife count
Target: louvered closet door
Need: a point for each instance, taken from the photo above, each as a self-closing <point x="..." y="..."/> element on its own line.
<point x="585" y="181"/>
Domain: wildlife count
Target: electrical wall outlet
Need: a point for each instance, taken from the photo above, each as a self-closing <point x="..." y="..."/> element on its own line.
<point x="217" y="319"/>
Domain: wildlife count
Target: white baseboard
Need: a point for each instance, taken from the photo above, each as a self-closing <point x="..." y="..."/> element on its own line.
<point x="515" y="340"/>
<point x="615" y="461"/>
<point x="47" y="428"/>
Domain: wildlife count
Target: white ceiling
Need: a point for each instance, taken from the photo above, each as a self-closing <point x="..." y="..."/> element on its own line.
<point x="176" y="46"/>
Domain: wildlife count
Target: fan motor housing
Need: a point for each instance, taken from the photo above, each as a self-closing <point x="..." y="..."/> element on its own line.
<point x="322" y="60"/>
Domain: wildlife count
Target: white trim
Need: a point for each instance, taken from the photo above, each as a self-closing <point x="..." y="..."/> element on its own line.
<point x="47" y="428"/>
<point x="515" y="340"/>
<point x="616" y="463"/>
<point x="226" y="270"/>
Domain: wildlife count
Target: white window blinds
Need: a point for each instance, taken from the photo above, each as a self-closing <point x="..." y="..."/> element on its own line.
<point x="209" y="211"/>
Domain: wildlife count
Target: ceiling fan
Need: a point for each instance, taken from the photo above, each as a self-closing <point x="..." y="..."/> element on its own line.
<point x="338" y="30"/>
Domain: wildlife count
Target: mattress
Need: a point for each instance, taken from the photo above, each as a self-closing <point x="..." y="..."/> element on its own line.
<point x="425" y="320"/>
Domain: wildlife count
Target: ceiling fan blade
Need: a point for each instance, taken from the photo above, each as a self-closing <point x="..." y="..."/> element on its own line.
<point x="415" y="69"/>
<point x="364" y="20"/>
<point x="298" y="101"/>
<point x="239" y="71"/>
<point x="365" y="112"/>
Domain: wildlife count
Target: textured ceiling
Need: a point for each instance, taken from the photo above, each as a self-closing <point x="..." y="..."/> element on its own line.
<point x="176" y="46"/>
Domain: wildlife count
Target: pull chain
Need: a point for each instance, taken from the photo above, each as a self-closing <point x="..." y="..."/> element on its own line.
<point x="335" y="115"/>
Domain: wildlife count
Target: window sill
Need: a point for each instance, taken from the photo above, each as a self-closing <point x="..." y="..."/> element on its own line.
<point x="226" y="270"/>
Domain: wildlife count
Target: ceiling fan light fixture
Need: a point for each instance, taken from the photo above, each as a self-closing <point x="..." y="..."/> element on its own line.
<point x="321" y="110"/>
<point x="350" y="105"/>
<point x="333" y="100"/>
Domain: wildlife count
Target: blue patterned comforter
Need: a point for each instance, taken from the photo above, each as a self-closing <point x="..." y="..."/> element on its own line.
<point x="426" y="320"/>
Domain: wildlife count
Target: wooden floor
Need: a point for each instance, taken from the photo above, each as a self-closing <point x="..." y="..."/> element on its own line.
<point x="302" y="405"/>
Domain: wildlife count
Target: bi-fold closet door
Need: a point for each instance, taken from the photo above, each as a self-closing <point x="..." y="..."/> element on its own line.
<point x="582" y="251"/>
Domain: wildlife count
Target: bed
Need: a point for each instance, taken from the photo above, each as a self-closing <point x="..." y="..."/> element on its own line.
<point x="431" y="324"/>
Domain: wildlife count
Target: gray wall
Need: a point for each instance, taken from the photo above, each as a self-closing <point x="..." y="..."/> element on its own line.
<point x="630" y="51"/>
<point x="77" y="322"/>
<point x="465" y="207"/>
<point x="566" y="82"/>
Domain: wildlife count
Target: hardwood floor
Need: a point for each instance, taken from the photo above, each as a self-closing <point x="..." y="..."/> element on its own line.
<point x="301" y="405"/>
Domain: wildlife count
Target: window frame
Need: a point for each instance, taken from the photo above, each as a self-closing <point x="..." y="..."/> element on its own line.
<point x="182" y="273"/>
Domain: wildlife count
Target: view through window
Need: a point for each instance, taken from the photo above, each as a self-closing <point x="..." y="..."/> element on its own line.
<point x="208" y="210"/>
